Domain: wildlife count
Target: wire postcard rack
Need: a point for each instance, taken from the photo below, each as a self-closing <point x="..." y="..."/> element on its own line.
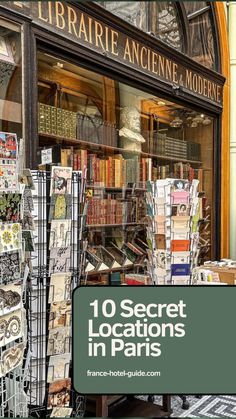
<point x="57" y="268"/>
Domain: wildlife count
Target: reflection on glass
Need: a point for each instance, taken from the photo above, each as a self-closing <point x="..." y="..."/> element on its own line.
<point x="10" y="78"/>
<point x="134" y="12"/>
<point x="194" y="6"/>
<point x="201" y="40"/>
<point x="166" y="26"/>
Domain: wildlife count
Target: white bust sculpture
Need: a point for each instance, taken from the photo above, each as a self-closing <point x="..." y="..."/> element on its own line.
<point x="130" y="132"/>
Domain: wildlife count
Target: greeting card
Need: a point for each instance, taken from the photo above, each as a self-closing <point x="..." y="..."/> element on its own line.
<point x="60" y="287"/>
<point x="11" y="358"/>
<point x="10" y="298"/>
<point x="11" y="326"/>
<point x="59" y="393"/>
<point x="8" y="175"/>
<point x="59" y="341"/>
<point x="10" y="237"/>
<point x="60" y="314"/>
<point x="61" y="180"/>
<point x="60" y="207"/>
<point x="58" y="367"/>
<point x="59" y="259"/>
<point x="60" y="235"/>
<point x="8" y="145"/>
<point x="10" y="266"/>
<point x="10" y="207"/>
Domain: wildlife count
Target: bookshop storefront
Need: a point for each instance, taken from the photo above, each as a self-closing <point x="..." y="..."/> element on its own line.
<point x="126" y="92"/>
<point x="120" y="83"/>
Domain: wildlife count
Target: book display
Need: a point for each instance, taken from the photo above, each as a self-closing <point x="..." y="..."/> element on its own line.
<point x="172" y="231"/>
<point x="57" y="268"/>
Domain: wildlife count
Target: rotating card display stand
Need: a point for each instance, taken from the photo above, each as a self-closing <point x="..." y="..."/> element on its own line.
<point x="171" y="234"/>
<point x="57" y="267"/>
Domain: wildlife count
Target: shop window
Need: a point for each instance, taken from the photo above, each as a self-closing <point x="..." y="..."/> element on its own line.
<point x="201" y="37"/>
<point x="124" y="136"/>
<point x="10" y="78"/>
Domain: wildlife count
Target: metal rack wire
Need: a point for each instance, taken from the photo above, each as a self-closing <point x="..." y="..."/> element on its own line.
<point x="41" y="401"/>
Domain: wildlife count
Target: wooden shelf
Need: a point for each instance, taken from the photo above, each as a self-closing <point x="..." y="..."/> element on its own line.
<point x="114" y="225"/>
<point x="107" y="271"/>
<point x="88" y="144"/>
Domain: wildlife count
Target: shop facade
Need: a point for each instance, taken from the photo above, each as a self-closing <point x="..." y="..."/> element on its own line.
<point x="129" y="61"/>
<point x="124" y="92"/>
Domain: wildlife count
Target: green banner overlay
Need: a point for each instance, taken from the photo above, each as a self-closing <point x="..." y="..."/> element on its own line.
<point x="154" y="340"/>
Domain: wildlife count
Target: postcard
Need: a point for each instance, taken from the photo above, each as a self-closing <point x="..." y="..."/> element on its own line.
<point x="180" y="197"/>
<point x="180" y="257"/>
<point x="59" y="341"/>
<point x="180" y="270"/>
<point x="60" y="207"/>
<point x="60" y="314"/>
<point x="10" y="237"/>
<point x="160" y="240"/>
<point x="11" y="327"/>
<point x="59" y="393"/>
<point x="8" y="145"/>
<point x="180" y="210"/>
<point x="8" y="175"/>
<point x="28" y="221"/>
<point x="181" y="280"/>
<point x="10" y="266"/>
<point x="58" y="367"/>
<point x="180" y="245"/>
<point x="10" y="207"/>
<point x="180" y="223"/>
<point x="180" y="234"/>
<point x="11" y="358"/>
<point x="10" y="298"/>
<point x="59" y="259"/>
<point x="61" y="180"/>
<point x="61" y="412"/>
<point x="161" y="259"/>
<point x="28" y="200"/>
<point x="60" y="235"/>
<point x="60" y="287"/>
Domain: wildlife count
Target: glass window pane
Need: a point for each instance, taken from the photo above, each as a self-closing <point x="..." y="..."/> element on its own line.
<point x="10" y="78"/>
<point x="124" y="136"/>
<point x="134" y="12"/>
<point x="166" y="26"/>
<point x="194" y="6"/>
<point x="202" y="41"/>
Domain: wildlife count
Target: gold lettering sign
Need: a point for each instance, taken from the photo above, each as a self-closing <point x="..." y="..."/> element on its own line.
<point x="70" y="21"/>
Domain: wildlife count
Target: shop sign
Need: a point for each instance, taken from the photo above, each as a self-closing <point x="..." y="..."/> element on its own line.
<point x="70" y="21"/>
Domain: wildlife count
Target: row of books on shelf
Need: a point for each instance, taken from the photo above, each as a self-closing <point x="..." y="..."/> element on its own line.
<point x="100" y="258"/>
<point x="119" y="278"/>
<point x="115" y="171"/>
<point x="115" y="211"/>
<point x="94" y="129"/>
<point x="157" y="143"/>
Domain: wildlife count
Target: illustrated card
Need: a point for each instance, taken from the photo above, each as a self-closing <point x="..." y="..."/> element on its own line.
<point x="60" y="207"/>
<point x="61" y="412"/>
<point x="60" y="235"/>
<point x="10" y="266"/>
<point x="59" y="259"/>
<point x="59" y="341"/>
<point x="61" y="180"/>
<point x="11" y="358"/>
<point x="11" y="327"/>
<point x="58" y="367"/>
<point x="59" y="393"/>
<point x="28" y="200"/>
<point x="8" y="175"/>
<point x="10" y="237"/>
<point x="10" y="207"/>
<point x="60" y="287"/>
<point x="60" y="314"/>
<point x="180" y="210"/>
<point x="8" y="145"/>
<point x="10" y="298"/>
